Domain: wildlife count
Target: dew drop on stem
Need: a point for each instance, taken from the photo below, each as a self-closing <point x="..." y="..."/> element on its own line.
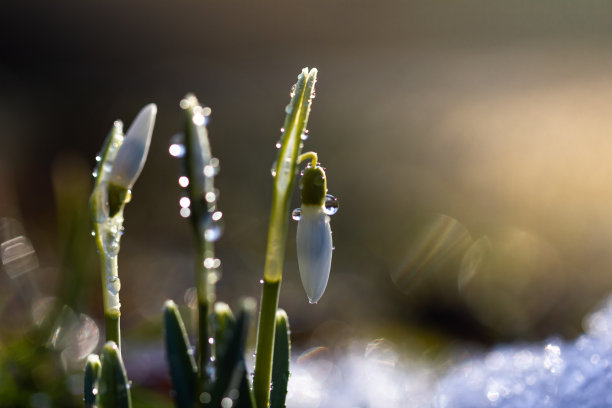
<point x="212" y="168"/>
<point x="113" y="285"/>
<point x="177" y="147"/>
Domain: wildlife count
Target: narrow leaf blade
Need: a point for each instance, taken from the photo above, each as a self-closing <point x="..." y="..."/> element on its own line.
<point x="114" y="389"/>
<point x="231" y="367"/>
<point x="91" y="379"/>
<point x="280" y="364"/>
<point x="181" y="363"/>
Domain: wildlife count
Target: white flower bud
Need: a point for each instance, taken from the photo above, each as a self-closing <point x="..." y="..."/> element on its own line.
<point x="133" y="152"/>
<point x="314" y="250"/>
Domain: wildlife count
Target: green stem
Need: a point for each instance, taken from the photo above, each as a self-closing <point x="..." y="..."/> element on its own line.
<point x="265" y="343"/>
<point x="205" y="351"/>
<point x="113" y="331"/>
<point x="312" y="156"/>
<point x="286" y="167"/>
<point x="108" y="268"/>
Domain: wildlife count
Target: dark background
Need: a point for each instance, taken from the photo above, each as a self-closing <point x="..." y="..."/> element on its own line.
<point x="469" y="144"/>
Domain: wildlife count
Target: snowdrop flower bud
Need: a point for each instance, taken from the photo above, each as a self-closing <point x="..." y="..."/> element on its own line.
<point x="133" y="152"/>
<point x="314" y="240"/>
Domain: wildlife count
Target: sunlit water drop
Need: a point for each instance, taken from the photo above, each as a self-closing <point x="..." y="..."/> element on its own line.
<point x="331" y="204"/>
<point x="183" y="181"/>
<point x="177" y="147"/>
<point x="213" y="228"/>
<point x="296" y="214"/>
<point x="113" y="285"/>
<point x="212" y="168"/>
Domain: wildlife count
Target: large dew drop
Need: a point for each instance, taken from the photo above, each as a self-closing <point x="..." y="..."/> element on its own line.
<point x="177" y="147"/>
<point x="296" y="214"/>
<point x="113" y="285"/>
<point x="331" y="204"/>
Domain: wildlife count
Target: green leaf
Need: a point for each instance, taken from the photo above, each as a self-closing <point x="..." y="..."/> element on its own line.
<point x="224" y="324"/>
<point x="282" y="357"/>
<point x="297" y="111"/>
<point x="91" y="379"/>
<point x="182" y="366"/>
<point x="231" y="367"/>
<point x="114" y="389"/>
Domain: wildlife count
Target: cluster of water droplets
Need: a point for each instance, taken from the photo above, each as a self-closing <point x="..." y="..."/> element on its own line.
<point x="211" y="223"/>
<point x="110" y="228"/>
<point x="330" y="207"/>
<point x="212" y="267"/>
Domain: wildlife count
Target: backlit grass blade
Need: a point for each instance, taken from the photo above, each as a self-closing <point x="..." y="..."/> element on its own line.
<point x="182" y="366"/>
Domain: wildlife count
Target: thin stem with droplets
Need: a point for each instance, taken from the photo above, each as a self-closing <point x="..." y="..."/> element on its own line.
<point x="286" y="167"/>
<point x="107" y="232"/>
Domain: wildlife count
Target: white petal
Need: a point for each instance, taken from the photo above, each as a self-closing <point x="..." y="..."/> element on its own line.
<point x="314" y="250"/>
<point x="133" y="152"/>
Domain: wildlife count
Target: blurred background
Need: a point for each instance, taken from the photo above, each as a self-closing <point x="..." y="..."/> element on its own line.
<point x="468" y="144"/>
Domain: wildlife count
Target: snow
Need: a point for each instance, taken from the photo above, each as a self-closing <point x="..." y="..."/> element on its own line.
<point x="554" y="373"/>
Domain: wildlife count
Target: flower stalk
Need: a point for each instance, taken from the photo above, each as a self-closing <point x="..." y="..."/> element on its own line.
<point x="296" y="120"/>
<point x="119" y="165"/>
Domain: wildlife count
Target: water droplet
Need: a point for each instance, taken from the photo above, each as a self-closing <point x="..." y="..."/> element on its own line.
<point x="296" y="214"/>
<point x="286" y="167"/>
<point x="214" y="227"/>
<point x="212" y="168"/>
<point x="278" y="145"/>
<point x="184" y="202"/>
<point x="185" y="212"/>
<point x="292" y="92"/>
<point x="312" y="303"/>
<point x="94" y="391"/>
<point x="273" y="169"/>
<point x="98" y="158"/>
<point x="288" y="109"/>
<point x="213" y="277"/>
<point x="205" y="398"/>
<point x="198" y="119"/>
<point x="93" y="233"/>
<point x="210" y="263"/>
<point x="113" y="285"/>
<point x="331" y="204"/>
<point x="183" y="181"/>
<point x="227" y="402"/>
<point x="177" y="148"/>
<point x="210" y="197"/>
<point x="304" y="136"/>
<point x="282" y="130"/>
